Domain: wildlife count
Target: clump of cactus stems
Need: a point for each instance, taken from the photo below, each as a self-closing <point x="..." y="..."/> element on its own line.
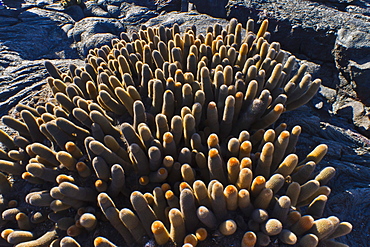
<point x="169" y="136"/>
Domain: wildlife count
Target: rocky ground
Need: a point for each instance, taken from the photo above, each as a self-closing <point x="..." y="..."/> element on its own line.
<point x="332" y="37"/>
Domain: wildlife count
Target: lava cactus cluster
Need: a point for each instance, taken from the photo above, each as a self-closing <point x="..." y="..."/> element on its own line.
<point x="163" y="136"/>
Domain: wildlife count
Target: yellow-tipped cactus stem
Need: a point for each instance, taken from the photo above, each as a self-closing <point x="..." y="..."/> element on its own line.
<point x="287" y="165"/>
<point x="317" y="154"/>
<point x="244" y="179"/>
<point x="7" y="140"/>
<point x="304" y="224"/>
<point x="191" y="239"/>
<point x="177" y="226"/>
<point x="215" y="166"/>
<point x="249" y="239"/>
<point x="308" y="189"/>
<point x="201" y="234"/>
<point x="67" y="160"/>
<point x="133" y="224"/>
<point x="117" y="184"/>
<point x="39" y="198"/>
<point x="275" y="183"/>
<point x="316" y="208"/>
<point x="207" y="217"/>
<point x="83" y="170"/>
<point x="45" y="152"/>
<point x="110" y="157"/>
<point x="201" y="193"/>
<point x="302" y="173"/>
<point x="322" y="228"/>
<point x="103" y="242"/>
<point x="73" y="191"/>
<point x="18" y="236"/>
<point x="45" y="239"/>
<point x="64" y="200"/>
<point x="69" y="241"/>
<point x="17" y="125"/>
<point x="258" y="184"/>
<point x="23" y="221"/>
<point x="244" y="202"/>
<point x="188" y="209"/>
<point x="308" y="240"/>
<point x="272" y="227"/>
<point x="159" y="204"/>
<point x="74" y="150"/>
<point x="88" y="221"/>
<point x="287" y="237"/>
<point x="144" y="211"/>
<point x="32" y="126"/>
<point x="233" y="169"/>
<point x="342" y="229"/>
<point x="218" y="200"/>
<point x="58" y="206"/>
<point x="231" y="197"/>
<point x="281" y="209"/>
<point x="172" y="199"/>
<point x="40" y="171"/>
<point x="112" y="214"/>
<point x="325" y="175"/>
<point x="263" y="199"/>
<point x="245" y="149"/>
<point x="160" y="232"/>
<point x="264" y="162"/>
<point x="228" y="227"/>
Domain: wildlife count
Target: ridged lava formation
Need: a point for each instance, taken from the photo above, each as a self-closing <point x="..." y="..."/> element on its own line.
<point x="162" y="134"/>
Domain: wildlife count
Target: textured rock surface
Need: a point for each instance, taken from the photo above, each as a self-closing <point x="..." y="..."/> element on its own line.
<point x="335" y="39"/>
<point x="332" y="37"/>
